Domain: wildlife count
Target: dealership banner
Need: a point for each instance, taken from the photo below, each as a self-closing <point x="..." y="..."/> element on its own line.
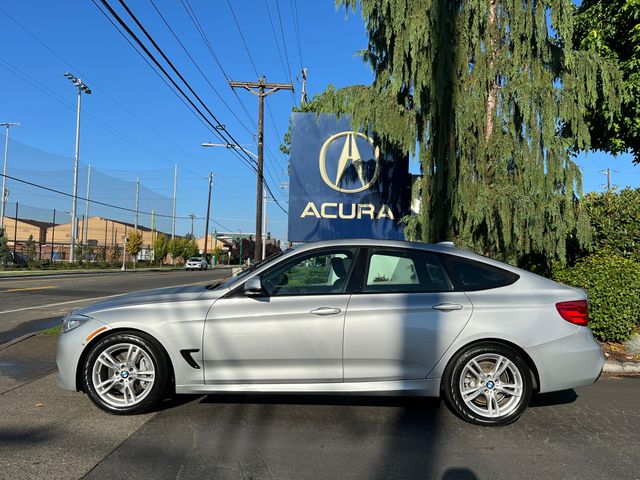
<point x="341" y="185"/>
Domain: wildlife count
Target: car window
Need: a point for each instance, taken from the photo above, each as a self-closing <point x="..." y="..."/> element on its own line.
<point x="411" y="271"/>
<point x="318" y="273"/>
<point x="470" y="275"/>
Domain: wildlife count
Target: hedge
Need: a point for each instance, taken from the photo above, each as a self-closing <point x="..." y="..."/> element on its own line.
<point x="613" y="285"/>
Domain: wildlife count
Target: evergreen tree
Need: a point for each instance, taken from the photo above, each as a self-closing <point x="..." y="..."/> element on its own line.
<point x="492" y="96"/>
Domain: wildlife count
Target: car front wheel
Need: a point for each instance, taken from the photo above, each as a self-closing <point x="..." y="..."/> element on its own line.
<point x="126" y="373"/>
<point x="488" y="384"/>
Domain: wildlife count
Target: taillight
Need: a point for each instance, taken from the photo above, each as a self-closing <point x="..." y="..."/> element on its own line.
<point x="576" y="311"/>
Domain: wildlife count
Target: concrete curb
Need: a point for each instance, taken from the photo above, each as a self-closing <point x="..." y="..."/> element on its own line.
<point x="18" y="340"/>
<point x="621" y="368"/>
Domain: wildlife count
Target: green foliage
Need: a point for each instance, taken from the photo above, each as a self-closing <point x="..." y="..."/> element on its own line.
<point x="614" y="293"/>
<point x="190" y="248"/>
<point x="160" y="248"/>
<point x="491" y="96"/>
<point x="134" y="243"/>
<point x="30" y="248"/>
<point x="217" y="254"/>
<point x="615" y="218"/>
<point x="183" y="248"/>
<point x="5" y="253"/>
<point x="113" y="255"/>
<point x="611" y="28"/>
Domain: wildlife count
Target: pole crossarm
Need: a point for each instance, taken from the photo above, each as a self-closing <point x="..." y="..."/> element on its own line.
<point x="261" y="88"/>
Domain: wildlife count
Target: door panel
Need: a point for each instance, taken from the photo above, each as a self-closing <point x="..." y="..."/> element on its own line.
<point x="400" y="336"/>
<point x="275" y="339"/>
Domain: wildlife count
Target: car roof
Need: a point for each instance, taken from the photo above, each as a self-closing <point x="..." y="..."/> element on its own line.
<point x="442" y="247"/>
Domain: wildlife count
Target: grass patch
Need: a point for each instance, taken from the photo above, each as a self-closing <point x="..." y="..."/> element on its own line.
<point x="57" y="330"/>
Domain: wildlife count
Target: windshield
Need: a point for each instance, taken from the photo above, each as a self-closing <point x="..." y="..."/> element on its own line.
<point x="195" y="259"/>
<point x="246" y="271"/>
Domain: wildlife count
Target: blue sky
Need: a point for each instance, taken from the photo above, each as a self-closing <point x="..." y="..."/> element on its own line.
<point x="134" y="126"/>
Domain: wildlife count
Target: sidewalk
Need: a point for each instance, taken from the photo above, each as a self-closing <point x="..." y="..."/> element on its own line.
<point x="46" y="432"/>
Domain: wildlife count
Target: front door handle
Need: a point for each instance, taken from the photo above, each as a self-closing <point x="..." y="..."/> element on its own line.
<point x="325" y="311"/>
<point x="447" y="307"/>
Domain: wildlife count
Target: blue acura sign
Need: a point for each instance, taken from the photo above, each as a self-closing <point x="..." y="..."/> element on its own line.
<point x="341" y="185"/>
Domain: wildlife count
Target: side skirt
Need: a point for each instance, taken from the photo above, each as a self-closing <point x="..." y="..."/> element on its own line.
<point x="428" y="387"/>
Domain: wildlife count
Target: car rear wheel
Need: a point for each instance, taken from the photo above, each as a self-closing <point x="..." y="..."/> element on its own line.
<point x="126" y="373"/>
<point x="488" y="384"/>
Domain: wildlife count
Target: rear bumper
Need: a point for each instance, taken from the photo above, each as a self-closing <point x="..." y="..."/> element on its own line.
<point x="573" y="361"/>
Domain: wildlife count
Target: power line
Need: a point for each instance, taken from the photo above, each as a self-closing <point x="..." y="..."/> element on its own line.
<point x="102" y="91"/>
<point x="296" y="28"/>
<point x="244" y="42"/>
<point x="275" y="37"/>
<point x="194" y="19"/>
<point x="215" y="129"/>
<point x="219" y="129"/>
<point x="215" y="90"/>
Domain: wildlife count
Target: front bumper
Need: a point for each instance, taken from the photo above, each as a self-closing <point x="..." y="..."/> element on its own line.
<point x="573" y="361"/>
<point x="70" y="348"/>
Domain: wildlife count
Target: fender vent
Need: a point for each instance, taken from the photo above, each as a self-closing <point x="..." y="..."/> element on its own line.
<point x="186" y="354"/>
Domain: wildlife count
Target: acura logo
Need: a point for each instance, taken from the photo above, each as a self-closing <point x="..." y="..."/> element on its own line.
<point x="350" y="155"/>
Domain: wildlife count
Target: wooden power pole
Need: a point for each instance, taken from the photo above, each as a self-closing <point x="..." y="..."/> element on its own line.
<point x="261" y="89"/>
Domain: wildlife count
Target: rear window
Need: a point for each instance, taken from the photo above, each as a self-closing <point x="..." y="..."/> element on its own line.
<point x="469" y="275"/>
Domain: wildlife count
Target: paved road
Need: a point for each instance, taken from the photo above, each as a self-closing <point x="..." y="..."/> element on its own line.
<point x="45" y="432"/>
<point x="35" y="303"/>
<point x="589" y="434"/>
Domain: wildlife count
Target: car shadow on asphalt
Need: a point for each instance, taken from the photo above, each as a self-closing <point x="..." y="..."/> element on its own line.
<point x="562" y="397"/>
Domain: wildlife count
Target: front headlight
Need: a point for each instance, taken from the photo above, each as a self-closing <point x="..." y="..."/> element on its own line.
<point x="73" y="320"/>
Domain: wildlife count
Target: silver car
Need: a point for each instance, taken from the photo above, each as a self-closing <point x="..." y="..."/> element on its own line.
<point x="196" y="263"/>
<point x="350" y="317"/>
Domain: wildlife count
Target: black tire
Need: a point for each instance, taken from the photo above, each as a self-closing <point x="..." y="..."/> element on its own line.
<point x="484" y="407"/>
<point x="120" y="396"/>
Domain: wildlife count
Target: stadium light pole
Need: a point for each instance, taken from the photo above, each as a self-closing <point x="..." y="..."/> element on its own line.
<point x="81" y="87"/>
<point x="3" y="192"/>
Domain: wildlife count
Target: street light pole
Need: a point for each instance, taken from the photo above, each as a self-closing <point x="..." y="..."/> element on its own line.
<point x="74" y="224"/>
<point x="206" y="222"/>
<point x="3" y="192"/>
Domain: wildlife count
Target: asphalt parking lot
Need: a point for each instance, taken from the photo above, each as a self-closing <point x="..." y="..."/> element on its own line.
<point x="46" y="432"/>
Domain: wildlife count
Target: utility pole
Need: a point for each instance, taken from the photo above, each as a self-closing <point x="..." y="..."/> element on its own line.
<point x="607" y="172"/>
<point x="264" y="226"/>
<point x="206" y="222"/>
<point x="304" y="98"/>
<point x="175" y="186"/>
<point x="74" y="222"/>
<point x="86" y="208"/>
<point x="192" y="216"/>
<point x="135" y="224"/>
<point x="261" y="89"/>
<point x="3" y="193"/>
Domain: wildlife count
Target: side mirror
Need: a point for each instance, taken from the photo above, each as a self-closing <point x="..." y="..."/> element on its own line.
<point x="253" y="286"/>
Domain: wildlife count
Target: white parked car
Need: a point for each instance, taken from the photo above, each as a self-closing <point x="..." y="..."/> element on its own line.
<point x="196" y="263"/>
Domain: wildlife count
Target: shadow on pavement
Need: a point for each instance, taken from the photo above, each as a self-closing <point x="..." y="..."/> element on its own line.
<point x="563" y="397"/>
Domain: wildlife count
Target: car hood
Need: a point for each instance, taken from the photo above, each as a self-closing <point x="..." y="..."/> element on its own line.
<point x="160" y="295"/>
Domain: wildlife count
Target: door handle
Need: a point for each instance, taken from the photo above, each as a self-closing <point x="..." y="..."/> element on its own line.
<point x="447" y="307"/>
<point x="325" y="311"/>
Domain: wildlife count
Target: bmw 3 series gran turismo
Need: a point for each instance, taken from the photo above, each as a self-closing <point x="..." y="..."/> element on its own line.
<point x="348" y="317"/>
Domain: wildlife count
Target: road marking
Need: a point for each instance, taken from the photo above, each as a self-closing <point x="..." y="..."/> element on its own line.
<point x="69" y="302"/>
<point x="28" y="289"/>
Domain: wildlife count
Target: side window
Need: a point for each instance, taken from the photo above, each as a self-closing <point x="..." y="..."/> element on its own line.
<point x="316" y="273"/>
<point x="411" y="271"/>
<point x="471" y="276"/>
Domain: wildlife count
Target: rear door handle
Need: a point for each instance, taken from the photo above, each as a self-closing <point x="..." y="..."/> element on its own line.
<point x="325" y="311"/>
<point x="447" y="307"/>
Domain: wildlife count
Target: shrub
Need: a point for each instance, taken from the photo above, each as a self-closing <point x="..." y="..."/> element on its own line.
<point x="613" y="284"/>
<point x="615" y="220"/>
